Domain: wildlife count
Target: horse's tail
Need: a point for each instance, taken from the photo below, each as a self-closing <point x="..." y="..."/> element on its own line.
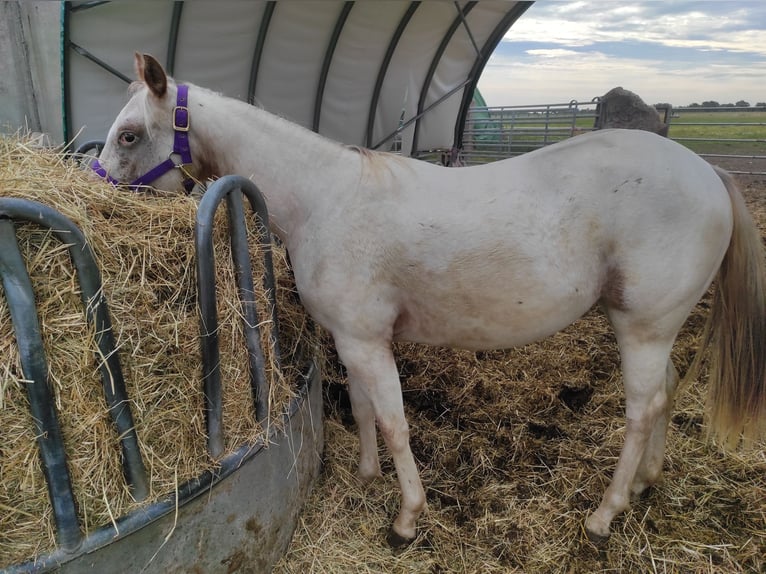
<point x="736" y="333"/>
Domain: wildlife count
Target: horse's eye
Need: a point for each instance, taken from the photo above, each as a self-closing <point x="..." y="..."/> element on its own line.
<point x="128" y="138"/>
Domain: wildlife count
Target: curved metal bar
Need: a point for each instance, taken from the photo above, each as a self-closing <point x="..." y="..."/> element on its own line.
<point x="66" y="75"/>
<point x="21" y="303"/>
<point x="384" y="69"/>
<point x="467" y="27"/>
<point x="209" y="348"/>
<point x="244" y="274"/>
<point x="175" y="25"/>
<point x="459" y="19"/>
<point x="210" y="351"/>
<point x="81" y="154"/>
<point x="486" y="51"/>
<point x="328" y="61"/>
<point x="97" y="145"/>
<point x="97" y="312"/>
<point x="260" y="42"/>
<point x="258" y="205"/>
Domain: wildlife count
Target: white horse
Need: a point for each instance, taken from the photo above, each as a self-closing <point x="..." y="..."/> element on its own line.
<point x="387" y="248"/>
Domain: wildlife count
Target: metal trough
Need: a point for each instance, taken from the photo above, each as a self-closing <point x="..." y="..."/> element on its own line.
<point x="239" y="517"/>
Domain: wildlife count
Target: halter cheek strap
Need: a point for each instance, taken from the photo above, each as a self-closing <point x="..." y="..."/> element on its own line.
<point x="181" y="148"/>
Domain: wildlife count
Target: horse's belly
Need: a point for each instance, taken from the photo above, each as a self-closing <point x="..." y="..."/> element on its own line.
<point x="490" y="323"/>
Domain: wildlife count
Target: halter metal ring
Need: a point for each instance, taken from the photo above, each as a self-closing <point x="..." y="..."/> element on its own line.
<point x="180" y="162"/>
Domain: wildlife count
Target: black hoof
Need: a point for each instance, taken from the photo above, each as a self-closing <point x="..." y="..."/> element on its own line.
<point x="598" y="540"/>
<point x="397" y="541"/>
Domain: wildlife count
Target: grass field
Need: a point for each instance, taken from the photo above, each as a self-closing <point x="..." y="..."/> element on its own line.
<point x="718" y="126"/>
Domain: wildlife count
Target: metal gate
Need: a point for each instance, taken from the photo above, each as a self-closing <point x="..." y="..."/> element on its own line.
<point x="734" y="137"/>
<point x="493" y="133"/>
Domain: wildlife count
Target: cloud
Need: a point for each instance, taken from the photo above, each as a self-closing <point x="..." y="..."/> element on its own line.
<point x="678" y="52"/>
<point x="737" y="26"/>
<point x="552" y="53"/>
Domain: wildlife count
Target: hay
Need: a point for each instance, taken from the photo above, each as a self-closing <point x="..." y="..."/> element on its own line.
<point x="515" y="449"/>
<point x="144" y="245"/>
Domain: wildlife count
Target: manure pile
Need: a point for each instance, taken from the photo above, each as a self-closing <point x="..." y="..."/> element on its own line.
<point x="515" y="449"/>
<point x="145" y="249"/>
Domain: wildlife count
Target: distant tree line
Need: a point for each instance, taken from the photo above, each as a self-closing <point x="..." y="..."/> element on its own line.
<point x="714" y="104"/>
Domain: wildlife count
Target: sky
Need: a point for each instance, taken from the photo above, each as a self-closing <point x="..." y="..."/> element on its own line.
<point x="678" y="52"/>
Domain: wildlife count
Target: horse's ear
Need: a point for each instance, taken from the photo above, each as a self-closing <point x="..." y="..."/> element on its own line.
<point x="150" y="71"/>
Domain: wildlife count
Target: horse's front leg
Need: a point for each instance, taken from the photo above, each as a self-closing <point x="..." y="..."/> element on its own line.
<point x="374" y="384"/>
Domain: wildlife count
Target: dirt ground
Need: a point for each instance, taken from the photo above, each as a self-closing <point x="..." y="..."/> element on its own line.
<point x="515" y="449"/>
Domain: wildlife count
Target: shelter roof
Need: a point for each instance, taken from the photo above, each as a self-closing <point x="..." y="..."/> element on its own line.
<point x="369" y="73"/>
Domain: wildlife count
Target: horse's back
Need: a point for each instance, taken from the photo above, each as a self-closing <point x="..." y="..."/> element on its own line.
<point x="609" y="191"/>
<point x="599" y="162"/>
<point x="607" y="173"/>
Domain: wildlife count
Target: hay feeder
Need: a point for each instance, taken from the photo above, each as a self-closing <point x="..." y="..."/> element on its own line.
<point x="237" y="515"/>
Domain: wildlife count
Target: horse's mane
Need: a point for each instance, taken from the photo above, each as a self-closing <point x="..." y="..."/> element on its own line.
<point x="375" y="164"/>
<point x="365" y="152"/>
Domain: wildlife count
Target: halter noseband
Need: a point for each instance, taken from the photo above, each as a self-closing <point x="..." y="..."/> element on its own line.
<point x="180" y="148"/>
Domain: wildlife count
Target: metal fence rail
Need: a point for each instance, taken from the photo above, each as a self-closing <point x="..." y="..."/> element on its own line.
<point x="729" y="140"/>
<point x="493" y="133"/>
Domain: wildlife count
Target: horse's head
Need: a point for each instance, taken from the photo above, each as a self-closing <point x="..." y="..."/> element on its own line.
<point x="148" y="144"/>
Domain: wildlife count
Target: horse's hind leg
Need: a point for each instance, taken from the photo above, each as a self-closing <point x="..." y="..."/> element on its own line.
<point x="644" y="365"/>
<point x="650" y="467"/>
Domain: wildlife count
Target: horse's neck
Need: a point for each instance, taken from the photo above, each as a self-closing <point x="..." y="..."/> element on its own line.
<point x="292" y="166"/>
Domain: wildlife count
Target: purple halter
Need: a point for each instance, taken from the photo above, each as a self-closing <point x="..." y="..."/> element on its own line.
<point x="180" y="148"/>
